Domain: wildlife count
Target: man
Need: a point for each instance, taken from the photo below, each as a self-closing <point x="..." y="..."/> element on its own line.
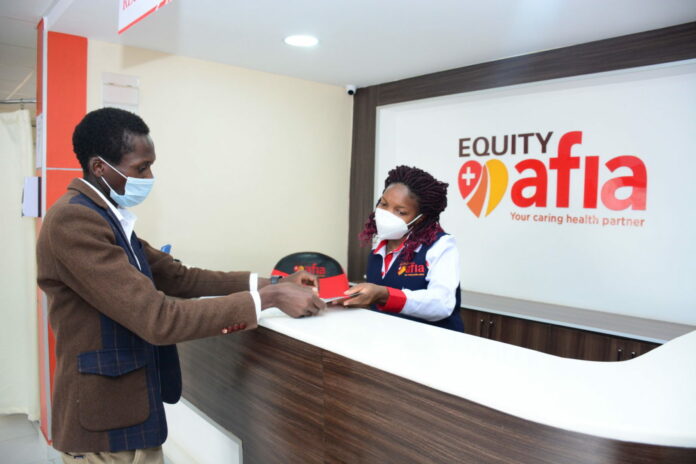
<point x="117" y="305"/>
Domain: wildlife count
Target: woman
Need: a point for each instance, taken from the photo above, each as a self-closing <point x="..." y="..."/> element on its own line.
<point x="413" y="270"/>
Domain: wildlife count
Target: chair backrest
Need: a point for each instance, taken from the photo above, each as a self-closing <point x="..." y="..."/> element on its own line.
<point x="332" y="280"/>
<point x="313" y="262"/>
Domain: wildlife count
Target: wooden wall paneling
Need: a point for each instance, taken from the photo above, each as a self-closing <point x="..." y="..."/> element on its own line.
<point x="644" y="48"/>
<point x="265" y="388"/>
<point x="362" y="173"/>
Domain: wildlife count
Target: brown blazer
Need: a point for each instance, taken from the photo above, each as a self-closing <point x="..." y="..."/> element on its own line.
<point x="85" y="275"/>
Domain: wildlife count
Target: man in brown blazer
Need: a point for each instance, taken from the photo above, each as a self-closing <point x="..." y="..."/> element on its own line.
<point x="118" y="306"/>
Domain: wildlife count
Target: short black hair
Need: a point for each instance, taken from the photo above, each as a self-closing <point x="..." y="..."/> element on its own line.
<point x="106" y="132"/>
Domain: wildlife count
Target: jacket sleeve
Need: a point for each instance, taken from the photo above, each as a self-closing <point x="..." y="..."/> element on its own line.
<point x="175" y="279"/>
<point x="92" y="265"/>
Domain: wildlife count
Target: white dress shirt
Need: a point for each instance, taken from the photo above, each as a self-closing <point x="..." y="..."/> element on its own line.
<point x="437" y="301"/>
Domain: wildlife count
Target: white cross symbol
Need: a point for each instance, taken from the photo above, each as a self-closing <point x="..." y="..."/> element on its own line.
<point x="468" y="175"/>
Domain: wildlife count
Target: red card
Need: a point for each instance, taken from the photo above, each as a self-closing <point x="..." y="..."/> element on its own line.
<point x="332" y="287"/>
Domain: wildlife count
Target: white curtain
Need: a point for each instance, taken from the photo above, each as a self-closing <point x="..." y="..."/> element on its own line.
<point x="19" y="366"/>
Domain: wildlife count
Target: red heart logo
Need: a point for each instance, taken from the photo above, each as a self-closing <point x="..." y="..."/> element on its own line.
<point x="469" y="176"/>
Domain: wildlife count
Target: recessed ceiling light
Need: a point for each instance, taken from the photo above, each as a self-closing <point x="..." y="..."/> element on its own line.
<point x="301" y="40"/>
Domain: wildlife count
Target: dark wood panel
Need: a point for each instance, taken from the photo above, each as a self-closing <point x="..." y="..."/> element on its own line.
<point x="561" y="341"/>
<point x="527" y="334"/>
<point x="362" y="173"/>
<point x="265" y="388"/>
<point x="376" y="417"/>
<point x="645" y="48"/>
<point x="291" y="402"/>
<point x="474" y="322"/>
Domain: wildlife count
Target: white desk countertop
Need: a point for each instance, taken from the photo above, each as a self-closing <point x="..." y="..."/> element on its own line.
<point x="650" y="399"/>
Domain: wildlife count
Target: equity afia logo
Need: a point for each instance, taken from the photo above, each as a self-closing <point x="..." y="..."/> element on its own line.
<point x="487" y="181"/>
<point x="411" y="269"/>
<point x="311" y="268"/>
<point x="485" y="184"/>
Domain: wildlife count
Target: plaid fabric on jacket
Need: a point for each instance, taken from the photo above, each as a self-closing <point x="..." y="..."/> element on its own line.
<point x="124" y="352"/>
<point x="117" y="307"/>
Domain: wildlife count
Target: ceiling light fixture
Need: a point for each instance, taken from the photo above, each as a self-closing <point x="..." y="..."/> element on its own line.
<point x="301" y="40"/>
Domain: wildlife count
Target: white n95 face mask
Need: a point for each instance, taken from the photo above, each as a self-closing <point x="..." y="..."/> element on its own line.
<point x="135" y="192"/>
<point x="391" y="226"/>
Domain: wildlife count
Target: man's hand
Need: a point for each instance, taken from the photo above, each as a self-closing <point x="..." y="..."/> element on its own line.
<point x="366" y="294"/>
<point x="293" y="300"/>
<point x="302" y="278"/>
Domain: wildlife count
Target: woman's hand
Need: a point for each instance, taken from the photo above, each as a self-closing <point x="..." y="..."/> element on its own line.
<point x="366" y="294"/>
<point x="302" y="278"/>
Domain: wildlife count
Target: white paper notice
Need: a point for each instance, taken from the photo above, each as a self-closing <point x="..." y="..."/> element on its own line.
<point x="31" y="196"/>
<point x="120" y="91"/>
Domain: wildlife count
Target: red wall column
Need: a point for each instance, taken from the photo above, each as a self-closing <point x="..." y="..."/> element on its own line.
<point x="62" y="66"/>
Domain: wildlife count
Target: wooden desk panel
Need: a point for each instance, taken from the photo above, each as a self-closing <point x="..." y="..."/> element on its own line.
<point x="376" y="417"/>
<point x="264" y="388"/>
<point x="291" y="402"/>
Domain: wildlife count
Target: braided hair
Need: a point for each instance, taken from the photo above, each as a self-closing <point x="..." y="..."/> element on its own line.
<point x="431" y="196"/>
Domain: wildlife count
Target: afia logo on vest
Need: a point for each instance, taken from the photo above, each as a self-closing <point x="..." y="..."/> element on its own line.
<point x="313" y="268"/>
<point x="411" y="270"/>
<point x="485" y="184"/>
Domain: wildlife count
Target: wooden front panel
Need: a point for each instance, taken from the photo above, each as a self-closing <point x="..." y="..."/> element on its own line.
<point x="265" y="388"/>
<point x="290" y="402"/>
<point x="553" y="339"/>
<point x="474" y="322"/>
<point x="527" y="334"/>
<point x="376" y="417"/>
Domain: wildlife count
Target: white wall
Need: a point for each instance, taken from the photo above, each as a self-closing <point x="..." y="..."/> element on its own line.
<point x="251" y="166"/>
<point x="19" y="369"/>
<point x="195" y="439"/>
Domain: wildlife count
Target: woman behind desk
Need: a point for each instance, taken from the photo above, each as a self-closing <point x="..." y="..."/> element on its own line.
<point x="413" y="269"/>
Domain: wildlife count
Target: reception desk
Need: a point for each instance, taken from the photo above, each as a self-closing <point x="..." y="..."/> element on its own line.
<point x="359" y="386"/>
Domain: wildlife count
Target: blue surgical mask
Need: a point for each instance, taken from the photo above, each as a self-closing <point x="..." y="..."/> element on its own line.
<point x="135" y="192"/>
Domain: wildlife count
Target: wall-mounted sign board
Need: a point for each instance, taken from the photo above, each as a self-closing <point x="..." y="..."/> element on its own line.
<point x="131" y="12"/>
<point x="576" y="192"/>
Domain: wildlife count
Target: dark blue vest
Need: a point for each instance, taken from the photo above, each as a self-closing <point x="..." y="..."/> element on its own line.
<point x="413" y="278"/>
<point x="161" y="362"/>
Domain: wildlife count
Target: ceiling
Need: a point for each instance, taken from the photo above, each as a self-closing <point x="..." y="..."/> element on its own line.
<point x="361" y="42"/>
<point x="18" y="21"/>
